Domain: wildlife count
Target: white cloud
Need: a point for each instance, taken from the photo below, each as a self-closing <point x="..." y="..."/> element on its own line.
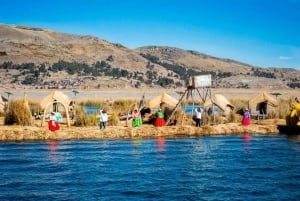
<point x="285" y="58"/>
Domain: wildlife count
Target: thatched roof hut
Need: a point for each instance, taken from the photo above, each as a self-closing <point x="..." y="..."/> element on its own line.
<point x="163" y="98"/>
<point x="221" y="102"/>
<point x="2" y="104"/>
<point x="56" y="97"/>
<point x="260" y="103"/>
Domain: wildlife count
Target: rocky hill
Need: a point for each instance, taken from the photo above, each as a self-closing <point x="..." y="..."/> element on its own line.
<point x="41" y="58"/>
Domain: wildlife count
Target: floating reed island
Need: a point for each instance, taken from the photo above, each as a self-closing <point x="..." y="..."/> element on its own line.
<point x="18" y="123"/>
<point x="30" y="133"/>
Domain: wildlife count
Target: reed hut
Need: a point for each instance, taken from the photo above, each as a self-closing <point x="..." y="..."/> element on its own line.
<point x="53" y="100"/>
<point x="2" y="104"/>
<point x="262" y="104"/>
<point x="221" y="103"/>
<point x="163" y="98"/>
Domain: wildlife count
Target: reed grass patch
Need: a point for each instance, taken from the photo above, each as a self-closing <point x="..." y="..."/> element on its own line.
<point x="35" y="107"/>
<point x="113" y="119"/>
<point x="92" y="103"/>
<point x="82" y="119"/>
<point x="18" y="114"/>
<point x="233" y="117"/>
<point x="283" y="109"/>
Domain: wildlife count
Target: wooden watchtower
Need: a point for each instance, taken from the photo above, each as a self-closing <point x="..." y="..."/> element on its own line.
<point x="200" y="85"/>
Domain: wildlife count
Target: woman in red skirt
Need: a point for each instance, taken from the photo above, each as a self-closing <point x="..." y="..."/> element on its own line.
<point x="53" y="124"/>
<point x="160" y="121"/>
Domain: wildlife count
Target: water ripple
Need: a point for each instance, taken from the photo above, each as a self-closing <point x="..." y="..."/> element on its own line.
<point x="197" y="168"/>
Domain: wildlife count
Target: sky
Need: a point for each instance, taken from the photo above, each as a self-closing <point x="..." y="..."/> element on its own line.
<point x="263" y="33"/>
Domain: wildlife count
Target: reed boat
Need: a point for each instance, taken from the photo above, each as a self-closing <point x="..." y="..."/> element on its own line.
<point x="292" y="120"/>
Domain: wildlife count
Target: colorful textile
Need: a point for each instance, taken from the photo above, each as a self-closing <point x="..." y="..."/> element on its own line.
<point x="246" y="121"/>
<point x="53" y="125"/>
<point x="160" y="122"/>
<point x="137" y="122"/>
<point x="58" y="117"/>
<point x="246" y="118"/>
<point x="160" y="114"/>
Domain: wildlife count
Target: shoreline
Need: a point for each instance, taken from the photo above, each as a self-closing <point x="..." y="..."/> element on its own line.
<point x="34" y="133"/>
<point x="30" y="133"/>
<point x="38" y="94"/>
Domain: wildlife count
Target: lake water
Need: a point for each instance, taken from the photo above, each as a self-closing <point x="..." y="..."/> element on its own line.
<point x="252" y="167"/>
<point x="89" y="110"/>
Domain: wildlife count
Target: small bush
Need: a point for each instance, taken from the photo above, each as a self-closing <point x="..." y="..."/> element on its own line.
<point x="283" y="109"/>
<point x="123" y="105"/>
<point x="233" y="117"/>
<point x="206" y="119"/>
<point x="18" y="114"/>
<point x="113" y="119"/>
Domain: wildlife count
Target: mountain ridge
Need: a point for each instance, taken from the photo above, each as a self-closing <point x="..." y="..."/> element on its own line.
<point x="160" y="66"/>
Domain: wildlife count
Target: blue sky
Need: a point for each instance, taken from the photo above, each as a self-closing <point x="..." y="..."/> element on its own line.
<point x="263" y="33"/>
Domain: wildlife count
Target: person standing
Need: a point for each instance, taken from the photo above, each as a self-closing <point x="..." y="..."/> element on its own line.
<point x="103" y="119"/>
<point x="137" y="120"/>
<point x="160" y="121"/>
<point x="246" y="118"/>
<point x="53" y="124"/>
<point x="198" y="117"/>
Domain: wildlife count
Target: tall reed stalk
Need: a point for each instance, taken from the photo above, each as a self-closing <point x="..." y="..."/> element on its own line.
<point x="18" y="114"/>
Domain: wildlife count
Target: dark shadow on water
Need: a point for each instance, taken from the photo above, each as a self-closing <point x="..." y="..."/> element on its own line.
<point x="288" y="130"/>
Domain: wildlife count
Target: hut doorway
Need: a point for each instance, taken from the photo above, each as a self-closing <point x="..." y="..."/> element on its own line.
<point x="262" y="108"/>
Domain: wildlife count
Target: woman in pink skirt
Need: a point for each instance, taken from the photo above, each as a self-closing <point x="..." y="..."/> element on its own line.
<point x="246" y="118"/>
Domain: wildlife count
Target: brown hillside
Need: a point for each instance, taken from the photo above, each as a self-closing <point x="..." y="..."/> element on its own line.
<point x="242" y="75"/>
<point x="21" y="44"/>
<point x="193" y="59"/>
<point x="26" y="45"/>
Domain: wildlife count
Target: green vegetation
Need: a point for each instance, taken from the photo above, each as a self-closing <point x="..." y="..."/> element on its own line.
<point x="178" y="74"/>
<point x="36" y="74"/>
<point x="262" y="73"/>
<point x="294" y="85"/>
<point x="3" y="53"/>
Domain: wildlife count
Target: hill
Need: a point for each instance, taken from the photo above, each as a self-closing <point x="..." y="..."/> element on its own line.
<point x="41" y="58"/>
<point x="227" y="73"/>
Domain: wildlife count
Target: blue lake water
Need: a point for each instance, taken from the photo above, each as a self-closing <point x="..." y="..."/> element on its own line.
<point x="189" y="109"/>
<point x="254" y="167"/>
<point x="89" y="110"/>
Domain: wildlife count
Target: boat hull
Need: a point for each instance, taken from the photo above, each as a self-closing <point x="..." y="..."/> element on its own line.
<point x="292" y="121"/>
<point x="289" y="130"/>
